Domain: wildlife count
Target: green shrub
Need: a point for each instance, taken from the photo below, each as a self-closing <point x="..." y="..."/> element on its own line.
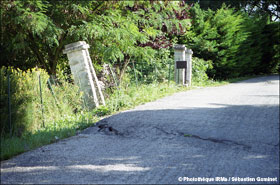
<point x="236" y="43"/>
<point x="101" y="111"/>
<point x="216" y="36"/>
<point x="199" y="69"/>
<point x="27" y="112"/>
<point x="154" y="69"/>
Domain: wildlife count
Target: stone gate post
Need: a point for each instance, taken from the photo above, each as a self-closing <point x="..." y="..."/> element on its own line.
<point x="179" y="55"/>
<point x="189" y="53"/>
<point x="80" y="65"/>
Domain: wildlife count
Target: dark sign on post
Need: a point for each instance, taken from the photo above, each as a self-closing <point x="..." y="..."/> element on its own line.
<point x="181" y="64"/>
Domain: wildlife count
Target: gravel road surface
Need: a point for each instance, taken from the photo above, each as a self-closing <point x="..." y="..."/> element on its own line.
<point x="225" y="134"/>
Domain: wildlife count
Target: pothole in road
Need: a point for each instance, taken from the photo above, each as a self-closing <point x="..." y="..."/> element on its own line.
<point x="109" y="130"/>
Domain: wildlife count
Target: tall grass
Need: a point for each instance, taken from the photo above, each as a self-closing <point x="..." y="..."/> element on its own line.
<point x="65" y="127"/>
<point x="126" y="97"/>
<point x="27" y="111"/>
<point x="61" y="110"/>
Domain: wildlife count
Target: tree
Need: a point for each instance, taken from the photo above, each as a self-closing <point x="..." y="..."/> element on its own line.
<point x="118" y="31"/>
<point x="270" y="8"/>
<point x="238" y="44"/>
<point x="138" y="29"/>
<point x="216" y="36"/>
<point x="38" y="28"/>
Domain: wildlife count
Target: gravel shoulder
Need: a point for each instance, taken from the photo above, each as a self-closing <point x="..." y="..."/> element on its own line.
<point x="229" y="131"/>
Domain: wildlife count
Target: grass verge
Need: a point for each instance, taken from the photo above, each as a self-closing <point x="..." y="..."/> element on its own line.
<point x="66" y="127"/>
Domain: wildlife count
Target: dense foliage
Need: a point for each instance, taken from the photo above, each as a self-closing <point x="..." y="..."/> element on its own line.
<point x="136" y="36"/>
<point x="117" y="31"/>
<point x="269" y="8"/>
<point x="236" y="43"/>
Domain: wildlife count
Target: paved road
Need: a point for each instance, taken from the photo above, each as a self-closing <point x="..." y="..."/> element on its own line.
<point x="229" y="131"/>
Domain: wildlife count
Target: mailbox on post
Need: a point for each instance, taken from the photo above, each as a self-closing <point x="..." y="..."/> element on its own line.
<point x="183" y="67"/>
<point x="181" y="64"/>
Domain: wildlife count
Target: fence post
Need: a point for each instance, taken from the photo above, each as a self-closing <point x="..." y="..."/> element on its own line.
<point x="42" y="106"/>
<point x="52" y="91"/>
<point x="169" y="72"/>
<point x="9" y="103"/>
<point x="136" y="80"/>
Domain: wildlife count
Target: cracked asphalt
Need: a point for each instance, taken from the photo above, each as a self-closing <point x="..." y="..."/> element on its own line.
<point x="229" y="131"/>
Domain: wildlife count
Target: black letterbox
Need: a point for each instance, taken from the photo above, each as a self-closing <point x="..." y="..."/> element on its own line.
<point x="181" y="64"/>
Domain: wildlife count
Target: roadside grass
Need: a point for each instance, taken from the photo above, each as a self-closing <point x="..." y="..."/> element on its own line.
<point x="17" y="145"/>
<point x="121" y="99"/>
<point x="133" y="95"/>
<point x="69" y="126"/>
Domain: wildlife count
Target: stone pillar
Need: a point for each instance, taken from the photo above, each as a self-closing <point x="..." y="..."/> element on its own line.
<point x="189" y="53"/>
<point x="77" y="54"/>
<point x="179" y="55"/>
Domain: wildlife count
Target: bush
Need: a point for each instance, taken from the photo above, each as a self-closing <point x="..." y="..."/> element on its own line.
<point x="236" y="43"/>
<point x="199" y="69"/>
<point x="216" y="36"/>
<point x="152" y="70"/>
<point x="26" y="108"/>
